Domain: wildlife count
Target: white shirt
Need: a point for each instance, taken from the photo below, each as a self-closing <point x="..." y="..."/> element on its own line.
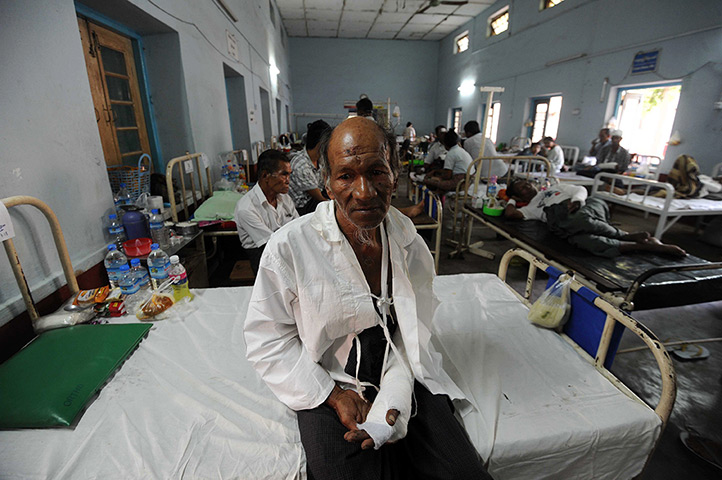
<point x="457" y="160"/>
<point x="256" y="219"/>
<point x="473" y="145"/>
<point x="436" y="151"/>
<point x="556" y="158"/>
<point x="551" y="196"/>
<point x="410" y="133"/>
<point x="311" y="297"/>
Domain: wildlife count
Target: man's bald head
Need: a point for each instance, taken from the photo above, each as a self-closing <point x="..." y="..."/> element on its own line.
<point x="343" y="138"/>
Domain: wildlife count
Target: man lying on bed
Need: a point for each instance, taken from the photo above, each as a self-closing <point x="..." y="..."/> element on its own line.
<point x="339" y="326"/>
<point x="582" y="221"/>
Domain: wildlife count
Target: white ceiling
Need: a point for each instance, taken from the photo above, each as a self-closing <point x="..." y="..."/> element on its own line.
<point x="382" y="19"/>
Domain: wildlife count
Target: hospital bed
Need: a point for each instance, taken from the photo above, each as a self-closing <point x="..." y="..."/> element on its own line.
<point x="667" y="208"/>
<point x="187" y="403"/>
<point x="632" y="282"/>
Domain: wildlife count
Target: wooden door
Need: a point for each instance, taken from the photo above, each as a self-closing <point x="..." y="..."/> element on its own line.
<point x="113" y="80"/>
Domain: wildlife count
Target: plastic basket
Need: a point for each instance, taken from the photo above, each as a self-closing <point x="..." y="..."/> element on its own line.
<point x="136" y="179"/>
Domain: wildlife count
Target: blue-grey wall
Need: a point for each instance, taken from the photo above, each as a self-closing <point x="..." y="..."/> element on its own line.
<point x="327" y="72"/>
<point x="608" y="33"/>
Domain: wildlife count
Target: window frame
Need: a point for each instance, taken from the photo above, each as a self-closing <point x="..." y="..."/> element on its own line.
<point x="456" y="42"/>
<point x="544" y="4"/>
<point x="505" y="10"/>
<point x="455" y="125"/>
<point x="532" y="115"/>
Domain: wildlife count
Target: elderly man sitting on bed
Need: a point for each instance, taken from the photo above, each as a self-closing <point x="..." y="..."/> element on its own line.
<point x="582" y="221"/>
<point x="339" y="327"/>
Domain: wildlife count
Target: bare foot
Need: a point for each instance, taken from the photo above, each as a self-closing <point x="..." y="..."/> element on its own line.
<point x="653" y="240"/>
<point x="671" y="250"/>
<point x="639" y="237"/>
<point x="415" y="210"/>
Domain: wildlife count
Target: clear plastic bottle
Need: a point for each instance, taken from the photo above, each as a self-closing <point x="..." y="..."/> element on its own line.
<point x="114" y="260"/>
<point x="158" y="264"/>
<point x="130" y="287"/>
<point x="180" y="284"/>
<point x="123" y="196"/>
<point x="141" y="274"/>
<point x="115" y="228"/>
<point x="158" y="230"/>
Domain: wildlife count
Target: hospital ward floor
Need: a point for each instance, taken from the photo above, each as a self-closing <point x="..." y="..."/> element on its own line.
<point x="698" y="405"/>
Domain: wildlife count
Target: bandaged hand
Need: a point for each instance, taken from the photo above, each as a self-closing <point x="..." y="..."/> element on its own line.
<point x="371" y="434"/>
<point x="349" y="406"/>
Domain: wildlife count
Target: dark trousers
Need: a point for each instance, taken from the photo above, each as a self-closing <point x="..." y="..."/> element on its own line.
<point x="254" y="256"/>
<point x="435" y="447"/>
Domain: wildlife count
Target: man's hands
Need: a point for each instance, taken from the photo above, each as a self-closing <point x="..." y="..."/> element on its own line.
<point x="362" y="436"/>
<point x="352" y="410"/>
<point x="573" y="206"/>
<point x="349" y="406"/>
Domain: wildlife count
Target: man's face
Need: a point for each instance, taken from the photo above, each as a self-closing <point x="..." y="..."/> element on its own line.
<point x="616" y="140"/>
<point x="548" y="144"/>
<point x="279" y="180"/>
<point x="524" y="190"/>
<point x="360" y="179"/>
<point x="603" y="135"/>
<point x="536" y="148"/>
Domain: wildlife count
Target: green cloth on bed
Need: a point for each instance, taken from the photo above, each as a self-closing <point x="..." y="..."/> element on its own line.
<point x="219" y="207"/>
<point x="49" y="381"/>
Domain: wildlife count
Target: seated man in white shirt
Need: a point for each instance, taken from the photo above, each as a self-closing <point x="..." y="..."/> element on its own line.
<point x="473" y="143"/>
<point x="582" y="221"/>
<point x="339" y="327"/>
<point x="456" y="163"/>
<point x="555" y="155"/>
<point x="437" y="152"/>
<point x="266" y="207"/>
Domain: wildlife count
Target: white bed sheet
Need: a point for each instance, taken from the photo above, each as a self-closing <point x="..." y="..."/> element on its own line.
<point x="686" y="204"/>
<point x="555" y="415"/>
<point x="187" y="404"/>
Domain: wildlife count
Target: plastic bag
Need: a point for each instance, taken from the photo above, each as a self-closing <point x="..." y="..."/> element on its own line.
<point x="552" y="308"/>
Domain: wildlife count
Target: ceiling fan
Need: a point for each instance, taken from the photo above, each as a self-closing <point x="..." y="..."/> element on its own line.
<point x="436" y="3"/>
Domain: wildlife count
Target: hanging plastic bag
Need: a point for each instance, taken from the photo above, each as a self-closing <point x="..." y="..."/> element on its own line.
<point x="552" y="308"/>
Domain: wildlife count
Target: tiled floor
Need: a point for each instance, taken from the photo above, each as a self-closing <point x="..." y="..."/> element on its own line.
<point x="699" y="395"/>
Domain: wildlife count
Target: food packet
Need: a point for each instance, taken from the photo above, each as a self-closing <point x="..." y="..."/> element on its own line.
<point x="86" y="298"/>
<point x="552" y="308"/>
<point x="155" y="306"/>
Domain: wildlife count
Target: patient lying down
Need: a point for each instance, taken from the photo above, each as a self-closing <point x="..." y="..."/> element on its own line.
<point x="582" y="221"/>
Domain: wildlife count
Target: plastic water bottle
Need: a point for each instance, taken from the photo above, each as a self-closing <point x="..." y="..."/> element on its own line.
<point x="158" y="231"/>
<point x="114" y="260"/>
<point x="158" y="264"/>
<point x="180" y="279"/>
<point x="115" y="228"/>
<point x="123" y="196"/>
<point x="492" y="187"/>
<point x="141" y="274"/>
<point x="130" y="287"/>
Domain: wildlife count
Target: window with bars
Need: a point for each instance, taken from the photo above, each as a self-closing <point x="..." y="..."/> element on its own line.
<point x="549" y="4"/>
<point x="456" y="119"/>
<point x="461" y="43"/>
<point x="499" y="22"/>
<point x="492" y="123"/>
<point x="545" y="117"/>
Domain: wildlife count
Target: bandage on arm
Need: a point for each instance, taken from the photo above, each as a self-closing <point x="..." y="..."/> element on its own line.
<point x="396" y="391"/>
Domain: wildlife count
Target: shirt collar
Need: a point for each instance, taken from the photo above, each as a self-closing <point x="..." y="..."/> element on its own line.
<point x="398" y="226"/>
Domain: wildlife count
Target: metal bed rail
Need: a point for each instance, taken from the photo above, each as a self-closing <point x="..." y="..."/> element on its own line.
<point x="434" y="209"/>
<point x="614" y="315"/>
<point x="186" y="168"/>
<point x="667" y="215"/>
<point x="524" y="166"/>
<point x="60" y="246"/>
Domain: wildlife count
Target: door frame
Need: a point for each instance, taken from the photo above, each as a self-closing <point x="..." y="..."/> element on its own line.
<point x="141" y="72"/>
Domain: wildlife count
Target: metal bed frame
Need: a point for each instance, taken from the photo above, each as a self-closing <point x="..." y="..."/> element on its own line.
<point x="668" y="216"/>
<point x="614" y="316"/>
<point x="60" y="246"/>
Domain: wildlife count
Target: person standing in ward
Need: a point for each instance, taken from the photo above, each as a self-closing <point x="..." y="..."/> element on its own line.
<point x="339" y="327"/>
<point x="472" y="144"/>
<point x="410" y="133"/>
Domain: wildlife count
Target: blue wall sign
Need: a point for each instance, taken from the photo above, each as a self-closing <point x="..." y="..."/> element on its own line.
<point x="645" y="62"/>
